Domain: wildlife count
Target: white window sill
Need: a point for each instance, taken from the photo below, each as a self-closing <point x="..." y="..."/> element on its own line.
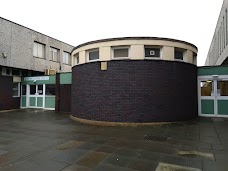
<point x="120" y="58"/>
<point x="153" y="58"/>
<point x="180" y="60"/>
<point x="38" y="57"/>
<point x="95" y="60"/>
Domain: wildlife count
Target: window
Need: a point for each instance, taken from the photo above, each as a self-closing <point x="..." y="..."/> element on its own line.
<point x="219" y="42"/>
<point x="93" y="55"/>
<point x="120" y="52"/>
<point x="226" y="27"/>
<point x="224" y="33"/>
<point x="152" y="52"/>
<point x="53" y="54"/>
<point x="16" y="72"/>
<point x="16" y="89"/>
<point x="8" y="71"/>
<point x="206" y="88"/>
<point x="38" y="50"/>
<point x="76" y="59"/>
<point x="222" y="88"/>
<point x="36" y="73"/>
<point x="179" y="54"/>
<point x="32" y="89"/>
<point x="50" y="90"/>
<point x="40" y="89"/>
<point x="66" y="58"/>
<point x="23" y="89"/>
<point x="24" y="73"/>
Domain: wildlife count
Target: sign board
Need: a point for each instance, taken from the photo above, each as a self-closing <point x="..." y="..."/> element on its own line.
<point x="36" y="78"/>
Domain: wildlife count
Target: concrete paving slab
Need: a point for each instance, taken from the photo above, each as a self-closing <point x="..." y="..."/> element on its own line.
<point x="75" y="167"/>
<point x="71" y="156"/>
<point x="92" y="159"/>
<point x="45" y="140"/>
<point x="144" y="165"/>
<point x="117" y="160"/>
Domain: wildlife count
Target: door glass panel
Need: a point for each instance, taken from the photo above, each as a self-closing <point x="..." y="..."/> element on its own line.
<point x="206" y="88"/>
<point x="32" y="89"/>
<point x="222" y="88"/>
<point x="40" y="90"/>
<point x="50" y="89"/>
<point x="23" y="89"/>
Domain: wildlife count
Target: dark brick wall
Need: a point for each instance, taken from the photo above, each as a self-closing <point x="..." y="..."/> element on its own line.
<point x="135" y="91"/>
<point x="57" y="91"/>
<point x="7" y="101"/>
<point x="65" y="98"/>
<point x="62" y="96"/>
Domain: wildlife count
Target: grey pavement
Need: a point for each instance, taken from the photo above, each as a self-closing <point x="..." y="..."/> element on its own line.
<point x="40" y="140"/>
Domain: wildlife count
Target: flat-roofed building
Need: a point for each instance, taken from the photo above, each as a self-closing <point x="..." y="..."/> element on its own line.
<point x="218" y="51"/>
<point x="25" y="52"/>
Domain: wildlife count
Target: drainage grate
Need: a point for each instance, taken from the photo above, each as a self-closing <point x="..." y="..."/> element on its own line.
<point x="155" y="138"/>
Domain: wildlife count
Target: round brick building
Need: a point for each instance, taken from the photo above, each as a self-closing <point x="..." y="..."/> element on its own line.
<point x="134" y="80"/>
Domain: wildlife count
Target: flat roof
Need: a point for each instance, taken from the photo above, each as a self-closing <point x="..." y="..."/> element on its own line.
<point x="133" y="38"/>
<point x="34" y="30"/>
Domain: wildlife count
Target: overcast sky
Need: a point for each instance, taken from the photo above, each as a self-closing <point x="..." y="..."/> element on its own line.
<point x="80" y="21"/>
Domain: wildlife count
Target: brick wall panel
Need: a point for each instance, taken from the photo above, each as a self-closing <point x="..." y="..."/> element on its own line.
<point x="135" y="91"/>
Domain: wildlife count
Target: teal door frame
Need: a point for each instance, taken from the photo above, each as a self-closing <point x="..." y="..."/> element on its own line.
<point x="38" y="98"/>
<point x="45" y="99"/>
<point x="214" y="105"/>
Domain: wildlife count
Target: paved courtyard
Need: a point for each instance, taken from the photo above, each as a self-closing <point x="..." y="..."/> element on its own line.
<point x="38" y="140"/>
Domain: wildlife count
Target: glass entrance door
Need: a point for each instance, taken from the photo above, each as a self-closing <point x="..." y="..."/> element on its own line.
<point x="213" y="96"/>
<point x="36" y="96"/>
<point x="207" y="96"/>
<point x="222" y="97"/>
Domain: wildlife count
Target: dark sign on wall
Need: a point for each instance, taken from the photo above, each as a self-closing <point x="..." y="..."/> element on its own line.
<point x="152" y="52"/>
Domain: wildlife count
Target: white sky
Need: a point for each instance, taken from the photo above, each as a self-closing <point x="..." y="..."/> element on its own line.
<point x="80" y="21"/>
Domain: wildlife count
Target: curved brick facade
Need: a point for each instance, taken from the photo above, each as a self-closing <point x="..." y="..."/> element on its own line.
<point x="139" y="91"/>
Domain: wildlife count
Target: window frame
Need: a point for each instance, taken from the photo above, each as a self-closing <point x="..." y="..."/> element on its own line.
<point x="18" y="89"/>
<point x="4" y="71"/>
<point x="43" y="50"/>
<point x="92" y="50"/>
<point x="179" y="50"/>
<point x="19" y="72"/>
<point x="47" y="90"/>
<point x="76" y="59"/>
<point x="51" y="54"/>
<point x="120" y="47"/>
<point x="154" y="47"/>
<point x="69" y="60"/>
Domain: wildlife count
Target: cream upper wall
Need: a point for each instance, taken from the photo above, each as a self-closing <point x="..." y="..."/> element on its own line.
<point x="136" y="50"/>
<point x="168" y="53"/>
<point x="104" y="53"/>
